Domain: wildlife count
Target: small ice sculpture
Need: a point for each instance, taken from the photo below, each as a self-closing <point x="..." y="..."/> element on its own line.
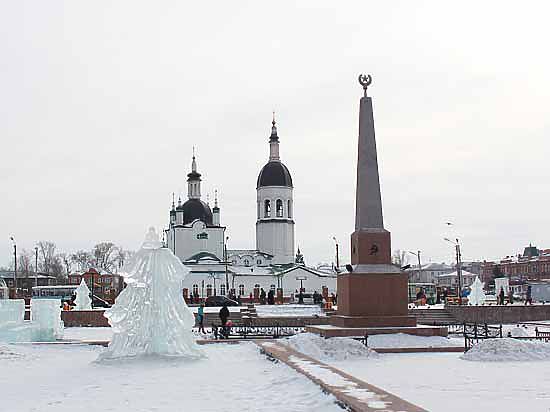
<point x="150" y="316"/>
<point x="477" y="295"/>
<point x="46" y="324"/>
<point x="83" y="300"/>
<point x="46" y="317"/>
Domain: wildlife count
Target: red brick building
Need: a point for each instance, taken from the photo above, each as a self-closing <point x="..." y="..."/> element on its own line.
<point x="105" y="285"/>
<point x="533" y="264"/>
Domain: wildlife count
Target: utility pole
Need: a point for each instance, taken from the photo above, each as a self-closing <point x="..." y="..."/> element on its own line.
<point x="417" y="254"/>
<point x="225" y="259"/>
<point x="458" y="266"/>
<point x="337" y="255"/>
<point x="14" y="267"/>
<point x="36" y="265"/>
<point x="459" y="271"/>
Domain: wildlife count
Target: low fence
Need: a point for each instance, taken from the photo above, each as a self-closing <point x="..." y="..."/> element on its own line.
<point x="499" y="314"/>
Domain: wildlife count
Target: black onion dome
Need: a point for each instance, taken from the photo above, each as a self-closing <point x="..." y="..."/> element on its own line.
<point x="193" y="176"/>
<point x="274" y="173"/>
<point x="196" y="209"/>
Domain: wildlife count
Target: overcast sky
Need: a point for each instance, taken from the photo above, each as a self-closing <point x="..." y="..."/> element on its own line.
<point x="101" y="103"/>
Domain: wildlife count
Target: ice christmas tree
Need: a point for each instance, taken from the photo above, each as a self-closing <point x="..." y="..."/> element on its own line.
<point x="150" y="316"/>
<point x="83" y="300"/>
<point x="477" y="295"/>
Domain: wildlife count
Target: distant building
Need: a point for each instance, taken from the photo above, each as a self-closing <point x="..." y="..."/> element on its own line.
<point x="532" y="265"/>
<point x="450" y="280"/>
<point x="105" y="285"/>
<point x="208" y="278"/>
<point x="428" y="273"/>
<point x="26" y="281"/>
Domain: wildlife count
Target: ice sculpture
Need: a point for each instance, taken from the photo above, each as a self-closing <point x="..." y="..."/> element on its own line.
<point x="150" y="316"/>
<point x="83" y="300"/>
<point x="46" y="324"/>
<point x="477" y="295"/>
<point x="4" y="291"/>
<point x="12" y="312"/>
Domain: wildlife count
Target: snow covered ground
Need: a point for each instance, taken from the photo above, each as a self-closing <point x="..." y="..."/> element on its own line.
<point x="402" y="340"/>
<point x="60" y="378"/>
<point x="444" y="382"/>
<point x="288" y="310"/>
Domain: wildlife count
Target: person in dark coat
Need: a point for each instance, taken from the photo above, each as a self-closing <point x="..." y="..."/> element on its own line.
<point x="501" y="296"/>
<point x="224" y="314"/>
<point x="271" y="297"/>
<point x="262" y="296"/>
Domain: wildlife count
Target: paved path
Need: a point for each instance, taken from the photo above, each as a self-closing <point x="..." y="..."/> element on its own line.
<point x="357" y="395"/>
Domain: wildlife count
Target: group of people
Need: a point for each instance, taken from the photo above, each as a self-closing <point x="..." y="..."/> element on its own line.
<point x="226" y="324"/>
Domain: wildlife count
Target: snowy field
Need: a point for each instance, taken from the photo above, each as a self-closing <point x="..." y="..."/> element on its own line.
<point x="62" y="378"/>
<point x="444" y="382"/>
<point x="291" y="310"/>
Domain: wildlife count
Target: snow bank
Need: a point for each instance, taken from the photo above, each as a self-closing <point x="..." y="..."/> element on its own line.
<point x="508" y="349"/>
<point x="519" y="332"/>
<point x="403" y="340"/>
<point x="326" y="350"/>
<point x="265" y="311"/>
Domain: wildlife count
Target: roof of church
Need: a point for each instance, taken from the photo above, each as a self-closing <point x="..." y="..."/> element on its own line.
<point x="274" y="173"/>
<point x="196" y="209"/>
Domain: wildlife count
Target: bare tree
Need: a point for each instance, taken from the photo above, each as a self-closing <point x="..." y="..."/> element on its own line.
<point x="82" y="259"/>
<point x="105" y="254"/>
<point x="25" y="262"/>
<point x="399" y="258"/>
<point x="46" y="252"/>
<point x="66" y="260"/>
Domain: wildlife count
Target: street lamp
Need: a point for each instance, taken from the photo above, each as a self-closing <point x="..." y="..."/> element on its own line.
<point x="226" y="276"/>
<point x="36" y="266"/>
<point x="417" y="254"/>
<point x="337" y="255"/>
<point x="14" y="267"/>
<point x="456" y="244"/>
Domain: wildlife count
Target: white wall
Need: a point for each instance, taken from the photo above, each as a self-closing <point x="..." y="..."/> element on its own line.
<point x="290" y="284"/>
<point x="187" y="244"/>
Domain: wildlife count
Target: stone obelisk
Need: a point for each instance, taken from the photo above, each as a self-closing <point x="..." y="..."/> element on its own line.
<point x="375" y="292"/>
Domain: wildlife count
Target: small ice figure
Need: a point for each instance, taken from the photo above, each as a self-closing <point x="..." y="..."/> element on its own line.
<point x="83" y="300"/>
<point x="477" y="295"/>
<point x="150" y="316"/>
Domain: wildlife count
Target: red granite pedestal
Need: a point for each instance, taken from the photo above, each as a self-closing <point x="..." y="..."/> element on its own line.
<point x="373" y="298"/>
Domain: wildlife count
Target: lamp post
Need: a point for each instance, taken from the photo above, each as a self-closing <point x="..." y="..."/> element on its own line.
<point x="225" y="259"/>
<point x="36" y="266"/>
<point x="456" y="244"/>
<point x="337" y="255"/>
<point x="14" y="267"/>
<point x="417" y="254"/>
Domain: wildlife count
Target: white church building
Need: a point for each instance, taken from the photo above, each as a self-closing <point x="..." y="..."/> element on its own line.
<point x="196" y="236"/>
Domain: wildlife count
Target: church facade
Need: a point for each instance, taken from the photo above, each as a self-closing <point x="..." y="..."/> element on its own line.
<point x="197" y="237"/>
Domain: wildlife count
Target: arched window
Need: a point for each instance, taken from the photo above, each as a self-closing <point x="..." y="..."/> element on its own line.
<point x="267" y="208"/>
<point x="222" y="289"/>
<point x="247" y="262"/>
<point x="279" y="205"/>
<point x="241" y="290"/>
<point x="208" y="290"/>
<point x="289" y="209"/>
<point x="195" y="290"/>
<point x="259" y="262"/>
<point x="272" y="287"/>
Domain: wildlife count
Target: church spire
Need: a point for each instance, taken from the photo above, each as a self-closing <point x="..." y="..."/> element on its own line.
<point x="274" y="142"/>
<point x="194" y="180"/>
